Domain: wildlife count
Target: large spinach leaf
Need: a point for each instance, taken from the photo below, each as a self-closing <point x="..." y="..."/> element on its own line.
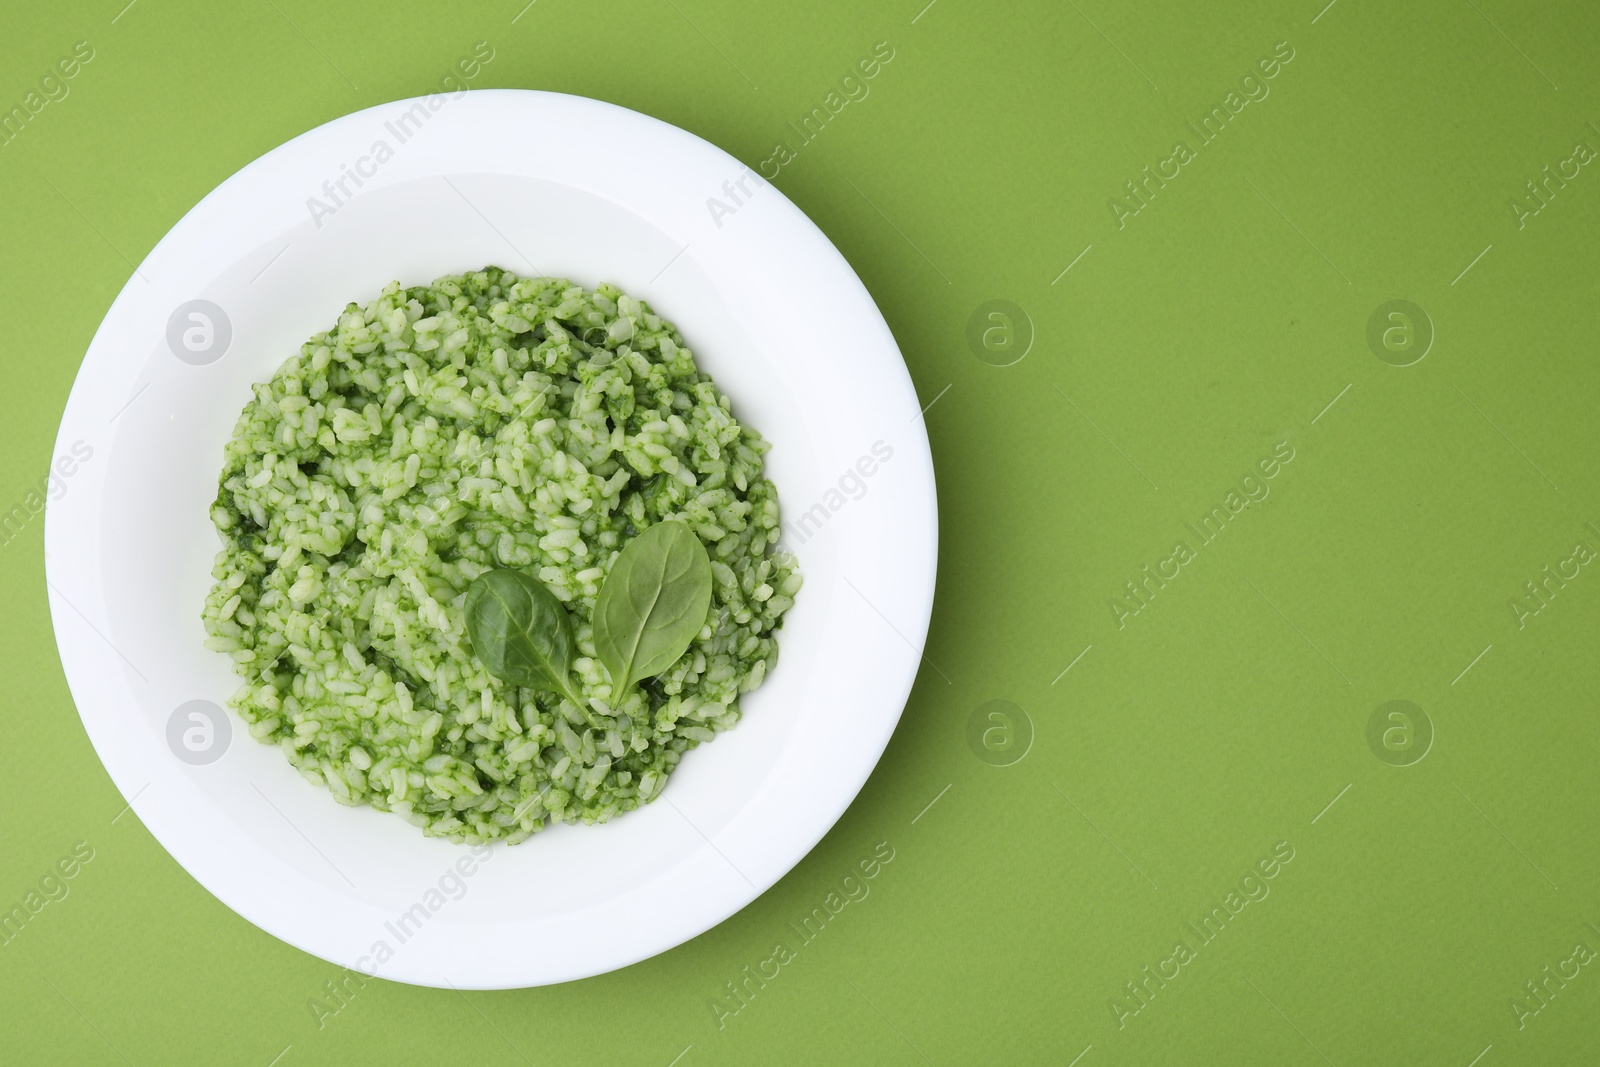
<point x="652" y="604"/>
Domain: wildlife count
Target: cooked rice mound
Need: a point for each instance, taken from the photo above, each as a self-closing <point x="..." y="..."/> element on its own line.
<point x="486" y="420"/>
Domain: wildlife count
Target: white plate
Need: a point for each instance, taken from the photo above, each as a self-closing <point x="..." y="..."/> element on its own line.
<point x="594" y="193"/>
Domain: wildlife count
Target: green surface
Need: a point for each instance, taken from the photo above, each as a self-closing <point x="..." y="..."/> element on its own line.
<point x="1226" y="716"/>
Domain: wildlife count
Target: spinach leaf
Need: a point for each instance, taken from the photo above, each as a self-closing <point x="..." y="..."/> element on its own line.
<point x="521" y="632"/>
<point x="652" y="604"/>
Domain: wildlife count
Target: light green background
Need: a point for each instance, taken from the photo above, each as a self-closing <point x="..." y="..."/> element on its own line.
<point x="1178" y="750"/>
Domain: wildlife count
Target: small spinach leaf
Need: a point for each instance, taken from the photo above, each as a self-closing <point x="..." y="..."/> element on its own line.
<point x="652" y="604"/>
<point x="520" y="632"/>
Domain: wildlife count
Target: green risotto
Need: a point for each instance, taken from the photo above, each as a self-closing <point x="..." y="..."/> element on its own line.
<point x="486" y="423"/>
